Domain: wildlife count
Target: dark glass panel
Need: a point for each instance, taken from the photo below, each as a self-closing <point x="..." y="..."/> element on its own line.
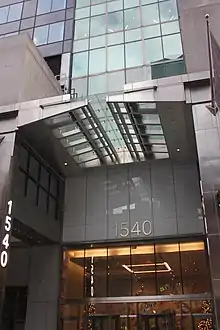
<point x="119" y="272"/>
<point x="168" y="269"/>
<point x="56" y="31"/>
<point x="195" y="270"/>
<point x="74" y="275"/>
<point x="15" y="12"/>
<point x="143" y="270"/>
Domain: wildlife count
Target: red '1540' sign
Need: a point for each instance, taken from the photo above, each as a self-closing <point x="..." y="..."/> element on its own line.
<point x="6" y="237"/>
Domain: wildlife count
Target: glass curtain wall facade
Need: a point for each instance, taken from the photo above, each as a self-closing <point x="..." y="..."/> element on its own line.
<point x="123" y="41"/>
<point x="165" y="271"/>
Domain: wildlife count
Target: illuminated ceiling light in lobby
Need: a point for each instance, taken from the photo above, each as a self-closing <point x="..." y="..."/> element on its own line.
<point x="139" y="250"/>
<point x="166" y="269"/>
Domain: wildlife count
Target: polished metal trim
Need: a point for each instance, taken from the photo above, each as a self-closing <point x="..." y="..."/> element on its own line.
<point x="133" y="299"/>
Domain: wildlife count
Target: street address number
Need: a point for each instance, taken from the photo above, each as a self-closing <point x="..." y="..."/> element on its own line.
<point x="139" y="228"/>
<point x="6" y="237"/>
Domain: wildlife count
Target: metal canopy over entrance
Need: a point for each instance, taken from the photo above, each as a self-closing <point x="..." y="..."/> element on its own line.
<point x="104" y="133"/>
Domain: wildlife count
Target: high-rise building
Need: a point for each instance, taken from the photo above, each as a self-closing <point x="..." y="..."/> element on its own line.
<point x="109" y="166"/>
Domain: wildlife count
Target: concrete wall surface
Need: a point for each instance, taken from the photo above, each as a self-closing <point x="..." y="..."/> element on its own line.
<point x="43" y="297"/>
<point x="193" y="29"/>
<point x="25" y="75"/>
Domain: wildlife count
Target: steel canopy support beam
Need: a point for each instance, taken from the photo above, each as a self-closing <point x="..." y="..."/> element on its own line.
<point x="111" y="107"/>
<point x="136" y="129"/>
<point x="110" y="145"/>
<point x="139" y="123"/>
<point x="86" y="133"/>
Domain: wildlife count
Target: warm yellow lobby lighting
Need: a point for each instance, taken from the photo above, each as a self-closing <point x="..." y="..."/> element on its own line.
<point x="137" y="250"/>
<point x="167" y="268"/>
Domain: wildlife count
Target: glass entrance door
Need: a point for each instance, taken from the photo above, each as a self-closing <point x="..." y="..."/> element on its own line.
<point x="165" y="321"/>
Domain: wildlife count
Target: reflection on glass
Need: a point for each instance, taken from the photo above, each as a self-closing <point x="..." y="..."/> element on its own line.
<point x="58" y="5"/>
<point x="133" y="35"/>
<point x="74" y="288"/>
<point x="116" y="81"/>
<point x="168" y="10"/>
<point x="115" y="38"/>
<point x="172" y="46"/>
<point x="80" y="86"/>
<point x="97" y="25"/>
<point x="151" y="31"/>
<point x="115" y="57"/>
<point x="3" y="14"/>
<point x="80" y="45"/>
<point x="56" y="31"/>
<point x="82" y="3"/>
<point x="41" y="35"/>
<point x="80" y="64"/>
<point x="153" y="50"/>
<point x="195" y="271"/>
<point x="98" y="10"/>
<point x="115" y="21"/>
<point x="97" y="42"/>
<point x="97" y="60"/>
<point x="115" y="5"/>
<point x="147" y="2"/>
<point x="43" y="7"/>
<point x="99" y="273"/>
<point x="168" y="270"/>
<point x="142" y="270"/>
<point x="150" y="14"/>
<point x="15" y="12"/>
<point x="132" y="18"/>
<point x="133" y="54"/>
<point x="81" y="29"/>
<point x="97" y="84"/>
<point x="82" y="12"/>
<point x="119" y="277"/>
<point x="130" y="4"/>
<point x="170" y="27"/>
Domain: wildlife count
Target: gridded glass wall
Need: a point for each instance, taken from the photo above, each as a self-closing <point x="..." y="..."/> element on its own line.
<point x="39" y="183"/>
<point x="136" y="270"/>
<point x="126" y="38"/>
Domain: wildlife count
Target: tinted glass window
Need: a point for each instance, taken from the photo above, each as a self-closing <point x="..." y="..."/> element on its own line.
<point x="97" y="25"/>
<point x="97" y="61"/>
<point x="115" y="21"/>
<point x="115" y="57"/>
<point x="168" y="10"/>
<point x="15" y="12"/>
<point x="172" y="46"/>
<point x="3" y="14"/>
<point x="58" y="5"/>
<point x="80" y="64"/>
<point x="81" y="29"/>
<point x="153" y="50"/>
<point x="44" y="6"/>
<point x="56" y="32"/>
<point x="82" y="3"/>
<point x="114" y="5"/>
<point x="97" y="84"/>
<point x="132" y="18"/>
<point x="41" y="35"/>
<point x="150" y="14"/>
<point x="133" y="53"/>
